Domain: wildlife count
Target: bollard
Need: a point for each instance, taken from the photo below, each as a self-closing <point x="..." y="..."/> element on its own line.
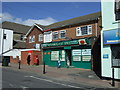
<point x="19" y="64"/>
<point x="113" y="80"/>
<point x="44" y="68"/>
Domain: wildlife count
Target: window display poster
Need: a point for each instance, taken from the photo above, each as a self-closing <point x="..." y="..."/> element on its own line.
<point x="63" y="56"/>
<point x="55" y="55"/>
<point x="86" y="58"/>
<point x="86" y="51"/>
<point x="76" y="52"/>
<point x="76" y="58"/>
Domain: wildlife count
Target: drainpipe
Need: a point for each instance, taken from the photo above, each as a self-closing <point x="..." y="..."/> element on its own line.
<point x="2" y="46"/>
<point x="96" y="28"/>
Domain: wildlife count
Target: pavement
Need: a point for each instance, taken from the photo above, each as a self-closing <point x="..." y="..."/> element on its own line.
<point x="73" y="75"/>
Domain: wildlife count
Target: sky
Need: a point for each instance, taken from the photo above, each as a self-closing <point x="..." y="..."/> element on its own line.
<point x="46" y="13"/>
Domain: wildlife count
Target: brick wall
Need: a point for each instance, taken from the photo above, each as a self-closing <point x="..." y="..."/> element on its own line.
<point x="71" y="30"/>
<point x="24" y="55"/>
<point x="13" y="60"/>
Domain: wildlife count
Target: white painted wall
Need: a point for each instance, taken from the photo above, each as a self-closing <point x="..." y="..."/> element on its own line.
<point x="7" y="44"/>
<point x="108" y="23"/>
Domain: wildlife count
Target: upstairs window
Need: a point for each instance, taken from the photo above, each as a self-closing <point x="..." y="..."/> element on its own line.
<point x="5" y="36"/>
<point x="33" y="39"/>
<point x="117" y="10"/>
<point x="84" y="30"/>
<point x="62" y="33"/>
<point x="40" y="37"/>
<point x="55" y="35"/>
<point x="30" y="39"/>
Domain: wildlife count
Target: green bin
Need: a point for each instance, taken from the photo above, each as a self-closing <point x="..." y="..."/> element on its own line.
<point x="5" y="62"/>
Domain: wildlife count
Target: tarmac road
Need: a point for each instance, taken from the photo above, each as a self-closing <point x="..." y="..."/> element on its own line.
<point x="18" y="79"/>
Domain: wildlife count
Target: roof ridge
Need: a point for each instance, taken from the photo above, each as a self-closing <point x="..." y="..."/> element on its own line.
<point x="16" y="23"/>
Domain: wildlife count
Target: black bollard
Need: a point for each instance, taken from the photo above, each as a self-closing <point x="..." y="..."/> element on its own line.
<point x="113" y="80"/>
<point x="44" y="68"/>
<point x="19" y="64"/>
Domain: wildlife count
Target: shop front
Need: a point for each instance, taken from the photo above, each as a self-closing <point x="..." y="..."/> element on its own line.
<point x="72" y="53"/>
<point x="111" y="53"/>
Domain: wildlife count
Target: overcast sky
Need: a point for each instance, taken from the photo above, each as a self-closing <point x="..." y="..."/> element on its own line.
<point x="46" y="13"/>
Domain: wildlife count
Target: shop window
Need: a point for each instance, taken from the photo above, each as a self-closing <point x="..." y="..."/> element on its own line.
<point x="62" y="33"/>
<point x="115" y="55"/>
<point x="40" y="37"/>
<point x="115" y="51"/>
<point x="84" y="30"/>
<point x="117" y="10"/>
<point x="55" y="35"/>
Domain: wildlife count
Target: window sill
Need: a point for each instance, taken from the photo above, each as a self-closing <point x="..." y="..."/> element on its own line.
<point x="116" y="22"/>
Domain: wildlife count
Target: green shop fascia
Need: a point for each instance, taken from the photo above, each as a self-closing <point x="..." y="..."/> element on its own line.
<point x="71" y="53"/>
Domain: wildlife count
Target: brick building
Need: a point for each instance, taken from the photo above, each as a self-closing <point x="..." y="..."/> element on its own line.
<point x="75" y="42"/>
<point x="34" y="38"/>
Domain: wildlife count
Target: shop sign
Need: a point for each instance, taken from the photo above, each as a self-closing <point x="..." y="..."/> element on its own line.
<point x="54" y="44"/>
<point x="82" y="41"/>
<point x="111" y="36"/>
<point x="86" y="51"/>
<point x="105" y="56"/>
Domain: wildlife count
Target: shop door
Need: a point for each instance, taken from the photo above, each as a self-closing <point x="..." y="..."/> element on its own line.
<point x="68" y="57"/>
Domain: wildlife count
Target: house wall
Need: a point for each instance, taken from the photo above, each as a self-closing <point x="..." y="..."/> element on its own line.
<point x="24" y="55"/>
<point x="108" y="23"/>
<point x="71" y="31"/>
<point x="7" y="44"/>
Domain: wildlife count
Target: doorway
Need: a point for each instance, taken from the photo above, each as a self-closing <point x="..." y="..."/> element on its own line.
<point x="68" y="57"/>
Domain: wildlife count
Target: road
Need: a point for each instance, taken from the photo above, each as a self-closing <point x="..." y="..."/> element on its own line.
<point x="19" y="79"/>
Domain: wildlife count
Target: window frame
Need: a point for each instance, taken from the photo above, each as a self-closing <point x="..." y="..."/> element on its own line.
<point x="80" y="30"/>
<point x="40" y="37"/>
<point x="53" y="33"/>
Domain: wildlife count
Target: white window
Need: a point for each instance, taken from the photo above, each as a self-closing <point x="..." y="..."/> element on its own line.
<point x="40" y="37"/>
<point x="84" y="30"/>
<point x="90" y="29"/>
<point x="47" y="36"/>
<point x="55" y="35"/>
<point x="78" y="31"/>
<point x="30" y="39"/>
<point x="33" y="39"/>
<point x="62" y="33"/>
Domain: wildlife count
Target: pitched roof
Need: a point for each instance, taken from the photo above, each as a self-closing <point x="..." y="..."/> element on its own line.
<point x="19" y="44"/>
<point x="73" y="21"/>
<point x="18" y="28"/>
